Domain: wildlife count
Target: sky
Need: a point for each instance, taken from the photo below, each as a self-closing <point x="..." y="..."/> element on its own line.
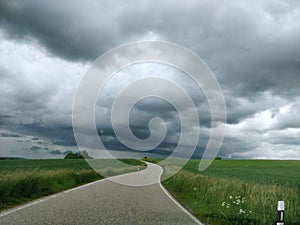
<point x="252" y="47"/>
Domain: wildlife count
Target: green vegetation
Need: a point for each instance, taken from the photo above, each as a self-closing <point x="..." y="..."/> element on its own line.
<point x="24" y="180"/>
<point x="22" y="186"/>
<point x="280" y="172"/>
<point x="239" y="191"/>
<point x="42" y="164"/>
<point x="78" y="155"/>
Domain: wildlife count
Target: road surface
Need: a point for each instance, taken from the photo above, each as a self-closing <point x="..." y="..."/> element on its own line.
<point x="105" y="202"/>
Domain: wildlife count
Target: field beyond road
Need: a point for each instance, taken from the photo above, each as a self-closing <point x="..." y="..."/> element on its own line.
<point x="24" y="180"/>
<point x="239" y="191"/>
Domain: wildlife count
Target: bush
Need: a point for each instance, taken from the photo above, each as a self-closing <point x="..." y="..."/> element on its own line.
<point x="78" y="155"/>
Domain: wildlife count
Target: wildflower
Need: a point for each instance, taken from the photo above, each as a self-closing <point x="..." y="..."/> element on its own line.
<point x="223" y="204"/>
<point x="230" y="197"/>
<point x="242" y="211"/>
<point x="195" y="189"/>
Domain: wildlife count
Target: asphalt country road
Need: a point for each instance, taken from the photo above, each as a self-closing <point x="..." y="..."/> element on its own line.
<point x="106" y="202"/>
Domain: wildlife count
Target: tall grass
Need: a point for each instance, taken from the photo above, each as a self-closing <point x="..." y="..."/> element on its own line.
<point x="233" y="201"/>
<point x="24" y="180"/>
<point x="21" y="186"/>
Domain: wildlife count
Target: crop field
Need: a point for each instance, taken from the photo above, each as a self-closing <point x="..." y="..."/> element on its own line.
<point x="239" y="191"/>
<point x="24" y="180"/>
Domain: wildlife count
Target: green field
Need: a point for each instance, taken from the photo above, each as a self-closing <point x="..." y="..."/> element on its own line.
<point x="24" y="180"/>
<point x="281" y="172"/>
<point x="239" y="191"/>
<point x="52" y="164"/>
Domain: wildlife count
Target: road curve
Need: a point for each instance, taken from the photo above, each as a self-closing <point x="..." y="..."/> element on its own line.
<point x="105" y="202"/>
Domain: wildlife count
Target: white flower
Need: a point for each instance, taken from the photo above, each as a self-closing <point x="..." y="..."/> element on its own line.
<point x="223" y="204"/>
<point x="242" y="211"/>
<point x="195" y="189"/>
<point x="230" y="197"/>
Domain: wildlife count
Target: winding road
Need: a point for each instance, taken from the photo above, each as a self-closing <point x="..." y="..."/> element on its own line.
<point x="106" y="202"/>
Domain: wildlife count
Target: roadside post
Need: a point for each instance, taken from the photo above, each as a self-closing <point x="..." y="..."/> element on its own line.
<point x="280" y="211"/>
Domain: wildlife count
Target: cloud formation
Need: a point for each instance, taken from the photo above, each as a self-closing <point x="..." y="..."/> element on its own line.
<point x="252" y="47"/>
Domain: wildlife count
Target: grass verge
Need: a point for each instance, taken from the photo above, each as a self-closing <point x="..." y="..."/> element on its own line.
<point x="238" y="192"/>
<point x="233" y="201"/>
<point x="22" y="186"/>
<point x="24" y="180"/>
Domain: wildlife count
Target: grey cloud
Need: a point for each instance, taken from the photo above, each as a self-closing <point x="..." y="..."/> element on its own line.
<point x="252" y="47"/>
<point x="35" y="148"/>
<point x="60" y="135"/>
<point x="55" y="152"/>
<point x="2" y="134"/>
<point x="55" y="25"/>
<point x="289" y="118"/>
<point x="240" y="108"/>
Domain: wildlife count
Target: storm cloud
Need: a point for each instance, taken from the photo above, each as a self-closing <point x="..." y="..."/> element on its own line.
<point x="251" y="47"/>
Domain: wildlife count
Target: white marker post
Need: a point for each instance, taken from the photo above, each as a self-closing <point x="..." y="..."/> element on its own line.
<point x="280" y="210"/>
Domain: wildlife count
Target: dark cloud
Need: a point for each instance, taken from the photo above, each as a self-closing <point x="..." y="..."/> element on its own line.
<point x="57" y="27"/>
<point x="2" y="134"/>
<point x="6" y="116"/>
<point x="55" y="152"/>
<point x="35" y="148"/>
<point x="60" y="135"/>
<point x="252" y="47"/>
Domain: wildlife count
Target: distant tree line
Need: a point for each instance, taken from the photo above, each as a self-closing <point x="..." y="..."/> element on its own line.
<point x="78" y="155"/>
<point x="218" y="157"/>
<point x="10" y="158"/>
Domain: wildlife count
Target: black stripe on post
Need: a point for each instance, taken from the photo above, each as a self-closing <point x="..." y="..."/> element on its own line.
<point x="280" y="211"/>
